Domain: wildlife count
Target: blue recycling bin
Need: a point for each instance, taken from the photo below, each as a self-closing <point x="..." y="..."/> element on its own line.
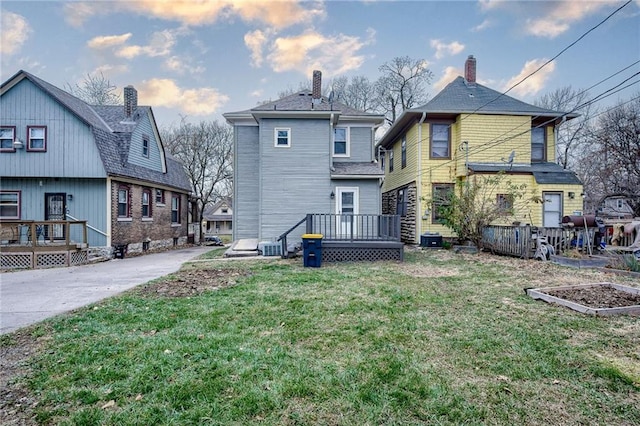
<point x="312" y="250"/>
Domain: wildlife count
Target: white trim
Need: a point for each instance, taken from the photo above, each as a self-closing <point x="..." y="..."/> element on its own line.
<point x="356" y="204"/>
<point x="275" y="137"/>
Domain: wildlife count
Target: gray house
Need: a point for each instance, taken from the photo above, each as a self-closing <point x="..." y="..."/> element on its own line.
<point x="62" y="159"/>
<point x="302" y="154"/>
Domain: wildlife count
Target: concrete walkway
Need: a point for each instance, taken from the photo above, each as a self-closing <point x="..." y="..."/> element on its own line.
<point x="27" y="297"/>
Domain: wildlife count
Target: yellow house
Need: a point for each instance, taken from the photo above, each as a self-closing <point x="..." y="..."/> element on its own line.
<point x="468" y="130"/>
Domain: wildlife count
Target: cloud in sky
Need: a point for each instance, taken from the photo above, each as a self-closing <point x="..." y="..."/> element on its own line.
<point x="15" y="31"/>
<point x="562" y="14"/>
<point x="255" y="41"/>
<point x="547" y="19"/>
<point x="276" y="14"/>
<point x="160" y="44"/>
<point x="449" y="74"/>
<point x="161" y="92"/>
<point x="446" y="49"/>
<point x="182" y="65"/>
<point x="487" y="23"/>
<point x="532" y="85"/>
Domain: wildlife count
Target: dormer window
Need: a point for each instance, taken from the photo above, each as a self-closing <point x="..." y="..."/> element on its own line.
<point x="145" y="146"/>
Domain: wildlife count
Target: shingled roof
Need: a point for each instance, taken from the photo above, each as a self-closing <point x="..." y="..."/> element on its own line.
<point x="544" y="173"/>
<point x="462" y="97"/>
<point x="112" y="134"/>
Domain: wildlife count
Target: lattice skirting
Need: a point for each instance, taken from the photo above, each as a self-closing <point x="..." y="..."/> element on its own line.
<point x="348" y="253"/>
<point x="40" y="260"/>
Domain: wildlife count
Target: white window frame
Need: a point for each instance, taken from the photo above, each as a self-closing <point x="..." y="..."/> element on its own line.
<point x="126" y="203"/>
<point x="146" y="193"/>
<point x="176" y="209"/>
<point x="10" y="148"/>
<point x="276" y="138"/>
<point x="347" y="141"/>
<point x="145" y="146"/>
<point x="17" y="204"/>
<point x="30" y="138"/>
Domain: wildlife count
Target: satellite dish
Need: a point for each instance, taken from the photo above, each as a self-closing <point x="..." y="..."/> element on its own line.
<point x="331" y="95"/>
<point x="512" y="156"/>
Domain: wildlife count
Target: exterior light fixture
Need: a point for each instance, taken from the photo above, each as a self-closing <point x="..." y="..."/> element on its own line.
<point x="332" y="195"/>
<point x="18" y="144"/>
<point x="70" y="197"/>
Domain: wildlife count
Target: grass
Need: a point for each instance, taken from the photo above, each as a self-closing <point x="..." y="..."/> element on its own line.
<point x="439" y="339"/>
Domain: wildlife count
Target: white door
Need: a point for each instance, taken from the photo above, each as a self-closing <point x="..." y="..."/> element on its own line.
<point x="347" y="207"/>
<point x="552" y="209"/>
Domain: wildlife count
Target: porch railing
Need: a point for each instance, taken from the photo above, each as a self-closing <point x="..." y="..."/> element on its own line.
<point x="355" y="227"/>
<point x="347" y="227"/>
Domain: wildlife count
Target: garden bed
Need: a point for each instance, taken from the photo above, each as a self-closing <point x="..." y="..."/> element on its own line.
<point x="581" y="262"/>
<point x="596" y="299"/>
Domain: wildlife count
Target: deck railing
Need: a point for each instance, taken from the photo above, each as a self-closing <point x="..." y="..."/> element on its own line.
<point x="355" y="227"/>
<point x="49" y="243"/>
<point x="347" y="227"/>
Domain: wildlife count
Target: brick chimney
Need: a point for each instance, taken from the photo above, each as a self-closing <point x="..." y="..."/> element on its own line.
<point x="130" y="101"/>
<point x="470" y="70"/>
<point x="316" y="88"/>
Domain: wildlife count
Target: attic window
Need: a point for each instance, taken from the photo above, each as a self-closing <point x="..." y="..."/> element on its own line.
<point x="145" y="146"/>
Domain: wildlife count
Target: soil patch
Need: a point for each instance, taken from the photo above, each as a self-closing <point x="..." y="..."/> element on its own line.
<point x="597" y="297"/>
<point x="188" y="283"/>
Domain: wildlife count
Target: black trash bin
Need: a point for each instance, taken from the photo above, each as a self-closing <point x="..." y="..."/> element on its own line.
<point x="119" y="250"/>
<point x="312" y="250"/>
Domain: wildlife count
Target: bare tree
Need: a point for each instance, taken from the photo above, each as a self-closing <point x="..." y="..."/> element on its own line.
<point x="617" y="153"/>
<point x="572" y="135"/>
<point x="95" y="90"/>
<point x="358" y="92"/>
<point x="403" y="85"/>
<point x="206" y="150"/>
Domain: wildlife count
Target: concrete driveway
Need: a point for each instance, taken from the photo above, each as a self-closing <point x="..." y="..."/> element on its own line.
<point x="27" y="297"/>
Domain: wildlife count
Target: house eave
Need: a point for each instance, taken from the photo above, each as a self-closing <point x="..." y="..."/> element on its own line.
<point x="356" y="177"/>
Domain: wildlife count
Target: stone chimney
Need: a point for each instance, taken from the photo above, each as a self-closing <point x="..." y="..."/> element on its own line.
<point x="470" y="70"/>
<point x="316" y="88"/>
<point x="130" y="101"/>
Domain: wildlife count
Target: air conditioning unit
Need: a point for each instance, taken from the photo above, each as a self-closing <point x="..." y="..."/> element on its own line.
<point x="268" y="248"/>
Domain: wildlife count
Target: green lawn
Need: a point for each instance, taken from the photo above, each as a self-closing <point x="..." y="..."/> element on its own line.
<point x="439" y="339"/>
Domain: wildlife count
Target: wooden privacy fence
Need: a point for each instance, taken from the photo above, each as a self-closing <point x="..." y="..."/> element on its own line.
<point x="520" y="241"/>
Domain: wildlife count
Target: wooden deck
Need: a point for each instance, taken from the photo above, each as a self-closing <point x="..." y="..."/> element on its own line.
<point x="31" y="244"/>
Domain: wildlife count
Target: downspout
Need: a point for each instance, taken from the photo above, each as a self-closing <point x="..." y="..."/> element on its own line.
<point x="419" y="179"/>
<point x="555" y="138"/>
<point x="373" y="158"/>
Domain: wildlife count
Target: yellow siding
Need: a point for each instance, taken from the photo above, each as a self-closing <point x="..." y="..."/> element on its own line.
<point x="551" y="144"/>
<point x="402" y="176"/>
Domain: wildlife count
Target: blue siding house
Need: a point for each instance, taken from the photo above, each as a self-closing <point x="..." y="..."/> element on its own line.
<point x="62" y="159"/>
<point x="303" y="154"/>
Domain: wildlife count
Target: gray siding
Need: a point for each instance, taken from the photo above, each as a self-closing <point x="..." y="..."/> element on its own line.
<point x="369" y="193"/>
<point x="361" y="144"/>
<point x="294" y="181"/>
<point x="88" y="203"/>
<point x="71" y="150"/>
<point x="246" y="185"/>
<point x="145" y="128"/>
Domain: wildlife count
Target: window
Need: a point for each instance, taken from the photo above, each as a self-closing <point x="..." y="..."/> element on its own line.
<point x="403" y="160"/>
<point x="382" y="162"/>
<point x="175" y="209"/>
<point x="341" y="142"/>
<point x="505" y="203"/>
<point x="146" y="203"/>
<point x="37" y="138"/>
<point x="225" y="211"/>
<point x="282" y="137"/>
<point x="440" y="141"/>
<point x="145" y="146"/>
<point x="9" y="204"/>
<point x="7" y="136"/>
<point x="159" y="196"/>
<point x="441" y="196"/>
<point x="538" y="144"/>
<point x="391" y="160"/>
<point x="124" y="206"/>
<point x="401" y="202"/>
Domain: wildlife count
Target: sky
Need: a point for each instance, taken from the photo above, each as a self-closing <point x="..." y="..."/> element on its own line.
<point x="196" y="60"/>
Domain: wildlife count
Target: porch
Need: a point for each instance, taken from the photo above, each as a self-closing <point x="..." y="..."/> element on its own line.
<point x="29" y="244"/>
<point x="352" y="237"/>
